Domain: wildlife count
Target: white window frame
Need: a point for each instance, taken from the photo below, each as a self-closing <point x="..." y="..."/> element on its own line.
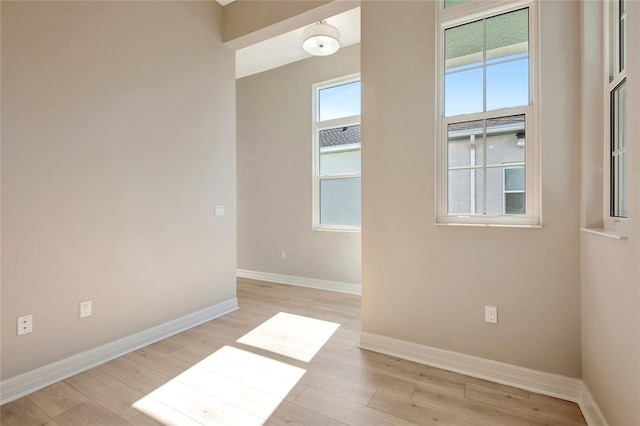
<point x="317" y="126"/>
<point x="466" y="13"/>
<point x="613" y="79"/>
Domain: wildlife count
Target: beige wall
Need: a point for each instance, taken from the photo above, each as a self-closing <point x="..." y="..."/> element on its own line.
<point x="243" y="17"/>
<point x="118" y="137"/>
<point x="250" y="21"/>
<point x="610" y="271"/>
<point x="428" y="284"/>
<point x="274" y="174"/>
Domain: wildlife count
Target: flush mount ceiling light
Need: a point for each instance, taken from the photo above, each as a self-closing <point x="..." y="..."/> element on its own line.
<point x="321" y="39"/>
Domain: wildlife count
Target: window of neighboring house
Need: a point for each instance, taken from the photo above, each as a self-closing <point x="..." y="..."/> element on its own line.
<point x="336" y="154"/>
<point x="616" y="96"/>
<point x="514" y="190"/>
<point x="487" y="149"/>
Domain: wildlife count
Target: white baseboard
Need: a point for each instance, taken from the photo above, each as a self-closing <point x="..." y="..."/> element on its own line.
<point x="31" y="381"/>
<point x="590" y="409"/>
<point x="300" y="281"/>
<point x="555" y="385"/>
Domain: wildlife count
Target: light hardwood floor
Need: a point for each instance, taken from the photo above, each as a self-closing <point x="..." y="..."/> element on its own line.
<point x="204" y="376"/>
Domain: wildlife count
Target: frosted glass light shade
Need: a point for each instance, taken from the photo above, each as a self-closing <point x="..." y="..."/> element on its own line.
<point x="321" y="39"/>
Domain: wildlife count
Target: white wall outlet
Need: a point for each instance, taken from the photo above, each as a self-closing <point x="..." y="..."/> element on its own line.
<point x="491" y="314"/>
<point x="219" y="209"/>
<point x="85" y="308"/>
<point x="283" y="255"/>
<point x="25" y="324"/>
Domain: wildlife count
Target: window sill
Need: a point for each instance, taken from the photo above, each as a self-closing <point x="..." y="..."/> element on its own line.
<point x="336" y="229"/>
<point x="606" y="233"/>
<point x="489" y="225"/>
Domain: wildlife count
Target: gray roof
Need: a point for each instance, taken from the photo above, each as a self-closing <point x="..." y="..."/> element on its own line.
<point x="340" y="136"/>
<point x="492" y="122"/>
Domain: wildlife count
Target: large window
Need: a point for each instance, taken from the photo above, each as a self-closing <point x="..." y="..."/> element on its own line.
<point x="487" y="146"/>
<point x="616" y="100"/>
<point x="336" y="154"/>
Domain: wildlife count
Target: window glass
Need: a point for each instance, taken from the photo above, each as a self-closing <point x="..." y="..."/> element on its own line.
<point x="623" y="34"/>
<point x="487" y="64"/>
<point x="507" y="36"/>
<point x="485" y="160"/>
<point x="340" y="202"/>
<point x="465" y="144"/>
<point x="514" y="203"/>
<point x="340" y="150"/>
<point x="463" y="69"/>
<point x="465" y="191"/>
<point x="508" y="84"/>
<point x="618" y="152"/>
<point x="339" y="101"/>
<point x="504" y="140"/>
<point x="514" y="179"/>
<point x="451" y="3"/>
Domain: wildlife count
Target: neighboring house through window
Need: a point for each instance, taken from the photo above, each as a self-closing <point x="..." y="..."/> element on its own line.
<point x="336" y="154"/>
<point x="487" y="142"/>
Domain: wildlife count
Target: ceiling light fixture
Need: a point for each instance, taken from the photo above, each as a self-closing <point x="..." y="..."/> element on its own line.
<point x="321" y="39"/>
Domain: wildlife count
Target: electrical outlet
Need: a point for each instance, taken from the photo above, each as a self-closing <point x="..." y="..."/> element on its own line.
<point x="85" y="308"/>
<point x="283" y="255"/>
<point x="491" y="314"/>
<point x="25" y="324"/>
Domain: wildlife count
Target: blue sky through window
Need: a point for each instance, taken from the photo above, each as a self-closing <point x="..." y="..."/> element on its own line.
<point x="340" y="101"/>
<point x="507" y="85"/>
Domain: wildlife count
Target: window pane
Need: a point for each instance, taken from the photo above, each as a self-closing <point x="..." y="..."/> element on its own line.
<point x="508" y="84"/>
<point x="463" y="69"/>
<point x="623" y="34"/>
<point x="514" y="179"/>
<point x="514" y="203"/>
<point x="505" y="140"/>
<point x="340" y="150"/>
<point x="340" y="202"/>
<point x="463" y="45"/>
<point x="619" y="116"/>
<point x="496" y="194"/>
<point x="463" y="92"/>
<point x="618" y="190"/>
<point x="508" y="60"/>
<point x="618" y="151"/>
<point x="465" y="191"/>
<point x="451" y="3"/>
<point x="508" y="35"/>
<point x="465" y="144"/>
<point x="339" y="101"/>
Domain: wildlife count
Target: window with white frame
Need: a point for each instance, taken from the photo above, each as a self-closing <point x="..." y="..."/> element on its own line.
<point x="487" y="145"/>
<point x="616" y="100"/>
<point x="336" y="154"/>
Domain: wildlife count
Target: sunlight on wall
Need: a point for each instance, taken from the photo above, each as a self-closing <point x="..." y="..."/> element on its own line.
<point x="291" y="335"/>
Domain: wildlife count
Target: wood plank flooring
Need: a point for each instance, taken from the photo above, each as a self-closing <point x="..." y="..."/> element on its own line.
<point x="203" y="376"/>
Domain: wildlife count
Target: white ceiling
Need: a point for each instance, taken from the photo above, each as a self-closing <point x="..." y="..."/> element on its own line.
<point x="287" y="48"/>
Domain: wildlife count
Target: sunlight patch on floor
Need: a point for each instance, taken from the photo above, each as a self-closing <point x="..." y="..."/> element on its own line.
<point x="294" y="336"/>
<point x="230" y="387"/>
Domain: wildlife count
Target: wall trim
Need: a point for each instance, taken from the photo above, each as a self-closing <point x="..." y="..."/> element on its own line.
<point x="554" y="385"/>
<point x="300" y="281"/>
<point x="590" y="409"/>
<point x="34" y="380"/>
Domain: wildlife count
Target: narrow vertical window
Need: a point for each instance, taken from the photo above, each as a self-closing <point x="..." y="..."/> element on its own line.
<point x="617" y="102"/>
<point x="487" y="149"/>
<point x="336" y="159"/>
